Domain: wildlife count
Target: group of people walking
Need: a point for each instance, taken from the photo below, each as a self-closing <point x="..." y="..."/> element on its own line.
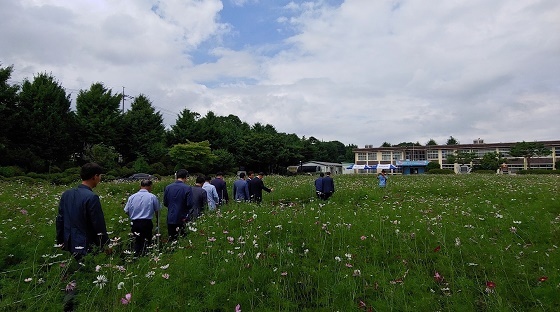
<point x="80" y="223"/>
<point x="324" y="186"/>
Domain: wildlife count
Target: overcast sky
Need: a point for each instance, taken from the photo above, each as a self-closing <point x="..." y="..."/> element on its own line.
<point x="357" y="71"/>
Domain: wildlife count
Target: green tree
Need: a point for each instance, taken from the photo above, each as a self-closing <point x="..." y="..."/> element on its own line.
<point x="106" y="156"/>
<point x="186" y="128"/>
<point x="386" y="144"/>
<point x="529" y="150"/>
<point x="491" y="161"/>
<point x="431" y="142"/>
<point x="99" y="117"/>
<point x="452" y="141"/>
<point x="8" y="106"/>
<point x="225" y="161"/>
<point x="144" y="132"/>
<point x="195" y="156"/>
<point x="461" y="157"/>
<point x="45" y="122"/>
<point x="350" y="155"/>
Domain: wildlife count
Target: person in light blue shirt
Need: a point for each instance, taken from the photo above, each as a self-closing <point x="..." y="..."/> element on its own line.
<point x="382" y="177"/>
<point x="211" y="192"/>
<point x="141" y="208"/>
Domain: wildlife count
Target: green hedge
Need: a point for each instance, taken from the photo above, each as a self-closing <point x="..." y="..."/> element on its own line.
<point x="441" y="171"/>
<point x="538" y="171"/>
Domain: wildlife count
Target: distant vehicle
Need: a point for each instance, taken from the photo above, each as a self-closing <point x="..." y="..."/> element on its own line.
<point x="140" y="176"/>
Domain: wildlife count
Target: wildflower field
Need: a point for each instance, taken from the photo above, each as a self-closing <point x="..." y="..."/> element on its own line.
<point x="424" y="243"/>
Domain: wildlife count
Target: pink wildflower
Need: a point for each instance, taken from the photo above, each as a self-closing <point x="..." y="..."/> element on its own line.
<point x="438" y="277"/>
<point x="127" y="298"/>
<point x="363" y="237"/>
<point x="238" y="308"/>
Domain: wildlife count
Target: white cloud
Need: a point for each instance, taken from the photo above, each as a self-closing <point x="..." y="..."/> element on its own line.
<point x="364" y="72"/>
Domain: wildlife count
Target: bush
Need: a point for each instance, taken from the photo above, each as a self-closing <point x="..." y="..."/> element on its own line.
<point x="538" y="171"/>
<point x="441" y="171"/>
<point x="11" y="171"/>
<point x="482" y="171"/>
<point x="432" y="165"/>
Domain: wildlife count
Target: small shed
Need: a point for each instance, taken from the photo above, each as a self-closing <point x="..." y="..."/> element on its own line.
<point x="321" y="166"/>
<point x="412" y="166"/>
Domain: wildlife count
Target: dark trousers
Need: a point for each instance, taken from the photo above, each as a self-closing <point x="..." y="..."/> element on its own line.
<point x="175" y="230"/>
<point x="142" y="232"/>
<point x="327" y="195"/>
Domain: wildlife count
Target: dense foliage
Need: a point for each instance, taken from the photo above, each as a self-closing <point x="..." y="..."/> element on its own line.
<point x="42" y="134"/>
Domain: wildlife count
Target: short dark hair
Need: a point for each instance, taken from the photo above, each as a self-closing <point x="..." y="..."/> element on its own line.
<point x="261" y="173"/>
<point x="90" y="170"/>
<point x="242" y="175"/>
<point x="219" y="174"/>
<point x="182" y="173"/>
<point x="207" y="178"/>
<point x="328" y="173"/>
<point x="145" y="183"/>
<point x="200" y="180"/>
<point x="321" y="174"/>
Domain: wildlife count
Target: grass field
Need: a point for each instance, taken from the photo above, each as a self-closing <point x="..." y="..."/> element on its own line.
<point x="424" y="243"/>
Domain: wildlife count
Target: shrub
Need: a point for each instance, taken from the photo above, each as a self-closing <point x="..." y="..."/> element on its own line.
<point x="482" y="171"/>
<point x="538" y="171"/>
<point x="441" y="171"/>
<point x="11" y="171"/>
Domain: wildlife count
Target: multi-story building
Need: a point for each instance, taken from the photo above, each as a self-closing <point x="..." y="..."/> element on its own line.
<point x="413" y="159"/>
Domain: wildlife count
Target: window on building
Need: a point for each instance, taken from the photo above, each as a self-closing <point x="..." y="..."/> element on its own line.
<point x="372" y="156"/>
<point x="385" y="155"/>
<point x="432" y="154"/>
<point x="362" y="156"/>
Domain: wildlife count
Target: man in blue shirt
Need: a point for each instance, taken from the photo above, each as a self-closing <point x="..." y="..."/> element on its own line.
<point x="80" y="223"/>
<point x="241" y="189"/>
<point x="211" y="193"/>
<point x="177" y="197"/>
<point x="141" y="207"/>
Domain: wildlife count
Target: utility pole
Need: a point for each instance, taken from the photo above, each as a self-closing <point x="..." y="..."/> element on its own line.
<point x="124" y="96"/>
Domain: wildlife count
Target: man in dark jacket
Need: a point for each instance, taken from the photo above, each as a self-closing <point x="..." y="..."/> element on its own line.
<point x="200" y="200"/>
<point x="256" y="186"/>
<point x="177" y="197"/>
<point x="221" y="188"/>
<point x="80" y="224"/>
<point x="328" y="186"/>
<point x="319" y="185"/>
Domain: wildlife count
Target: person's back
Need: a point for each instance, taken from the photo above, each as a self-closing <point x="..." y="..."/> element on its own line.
<point x="221" y="188"/>
<point x="80" y="223"/>
<point x="199" y="200"/>
<point x="241" y="188"/>
<point x="177" y="197"/>
<point x="212" y="194"/>
<point x="319" y="185"/>
<point x="328" y="186"/>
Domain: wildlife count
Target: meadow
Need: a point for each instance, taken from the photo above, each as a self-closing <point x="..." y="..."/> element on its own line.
<point x="424" y="243"/>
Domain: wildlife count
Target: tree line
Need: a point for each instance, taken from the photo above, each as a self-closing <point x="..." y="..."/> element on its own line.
<point x="43" y="134"/>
